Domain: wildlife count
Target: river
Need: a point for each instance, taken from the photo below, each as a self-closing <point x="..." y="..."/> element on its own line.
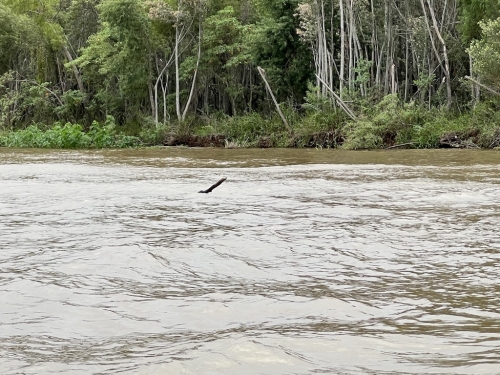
<point x="302" y="262"/>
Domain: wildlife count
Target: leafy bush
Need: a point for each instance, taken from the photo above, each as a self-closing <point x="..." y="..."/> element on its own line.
<point x="153" y="135"/>
<point x="362" y="135"/>
<point x="245" y="129"/>
<point x="480" y="126"/>
<point x="388" y="123"/>
<point x="69" y="136"/>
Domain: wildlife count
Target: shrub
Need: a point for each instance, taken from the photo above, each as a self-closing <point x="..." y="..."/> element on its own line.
<point x="362" y="135"/>
<point x="69" y="136"/>
<point x="388" y="123"/>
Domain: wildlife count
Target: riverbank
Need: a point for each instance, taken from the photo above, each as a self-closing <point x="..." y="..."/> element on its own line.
<point x="387" y="125"/>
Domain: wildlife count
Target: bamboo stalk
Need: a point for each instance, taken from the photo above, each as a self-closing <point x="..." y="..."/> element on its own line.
<point x="262" y="73"/>
<point x="195" y="74"/>
<point x="445" y="54"/>
<point x="340" y="101"/>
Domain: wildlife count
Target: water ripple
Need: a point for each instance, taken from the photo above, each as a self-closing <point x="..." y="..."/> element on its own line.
<point x="111" y="263"/>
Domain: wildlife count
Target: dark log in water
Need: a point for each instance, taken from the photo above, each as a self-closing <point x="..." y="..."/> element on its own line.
<point x="213" y="186"/>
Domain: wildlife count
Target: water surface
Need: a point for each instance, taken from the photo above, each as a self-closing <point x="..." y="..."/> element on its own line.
<point x="302" y="262"/>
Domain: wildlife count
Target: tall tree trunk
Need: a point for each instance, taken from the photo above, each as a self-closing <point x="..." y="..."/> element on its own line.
<point x="283" y="118"/>
<point x="195" y="73"/>
<point x="342" y="48"/>
<point x="177" y="83"/>
<point x="75" y="70"/>
<point x="152" y="99"/>
<point x="445" y="55"/>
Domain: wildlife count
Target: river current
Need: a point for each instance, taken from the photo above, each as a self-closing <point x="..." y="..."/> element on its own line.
<point x="302" y="262"/>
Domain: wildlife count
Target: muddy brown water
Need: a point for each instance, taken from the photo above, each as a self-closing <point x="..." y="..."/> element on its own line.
<point x="302" y="262"/>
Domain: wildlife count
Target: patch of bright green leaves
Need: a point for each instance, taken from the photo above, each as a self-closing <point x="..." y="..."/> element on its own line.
<point x="100" y="135"/>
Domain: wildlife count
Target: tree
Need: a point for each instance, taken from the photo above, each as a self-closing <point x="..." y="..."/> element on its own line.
<point x="485" y="52"/>
<point x="182" y="19"/>
<point x="116" y="60"/>
<point x="278" y="49"/>
<point x="472" y="13"/>
<point x="227" y="60"/>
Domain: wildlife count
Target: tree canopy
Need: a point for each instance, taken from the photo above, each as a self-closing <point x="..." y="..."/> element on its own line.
<point x="166" y="60"/>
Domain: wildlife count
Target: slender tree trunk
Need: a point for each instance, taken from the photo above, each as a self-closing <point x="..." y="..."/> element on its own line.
<point x="193" y="84"/>
<point x="152" y="98"/>
<point x="393" y="79"/>
<point x="475" y="89"/>
<point x="177" y="83"/>
<point x="389" y="42"/>
<point x="342" y="48"/>
<point x="324" y="48"/>
<point x="407" y="64"/>
<point x="250" y="76"/>
<point x="483" y="86"/>
<point x="263" y="75"/>
<point x="164" y="89"/>
<point x="342" y="104"/>
<point x="350" y="72"/>
<point x="78" y="77"/>
<point x="445" y="55"/>
<point x="156" y="106"/>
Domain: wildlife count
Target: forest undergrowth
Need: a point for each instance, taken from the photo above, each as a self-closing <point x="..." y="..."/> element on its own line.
<point x="389" y="124"/>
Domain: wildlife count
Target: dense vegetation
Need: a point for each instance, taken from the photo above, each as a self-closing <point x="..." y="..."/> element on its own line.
<point x="356" y="73"/>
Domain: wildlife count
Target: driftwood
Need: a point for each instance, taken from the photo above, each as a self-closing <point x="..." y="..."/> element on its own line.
<point x="213" y="186"/>
<point x="399" y="145"/>
<point x="452" y="140"/>
<point x="496" y="140"/>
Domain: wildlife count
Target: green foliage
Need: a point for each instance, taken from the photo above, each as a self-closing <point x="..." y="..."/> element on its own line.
<point x="473" y="12"/>
<point x="72" y="104"/>
<point x="153" y="135"/>
<point x="225" y="52"/>
<point x="486" y="52"/>
<point x="19" y="40"/>
<point x="22" y="99"/>
<point x="223" y="39"/>
<point x="278" y="49"/>
<point x="69" y="136"/>
<point x="362" y="71"/>
<point x="320" y="115"/>
<point x="115" y="62"/>
<point x="362" y="135"/>
<point x="59" y="136"/>
<point x="314" y="101"/>
<point x="423" y="83"/>
<point x="389" y="123"/>
<point x="248" y="128"/>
